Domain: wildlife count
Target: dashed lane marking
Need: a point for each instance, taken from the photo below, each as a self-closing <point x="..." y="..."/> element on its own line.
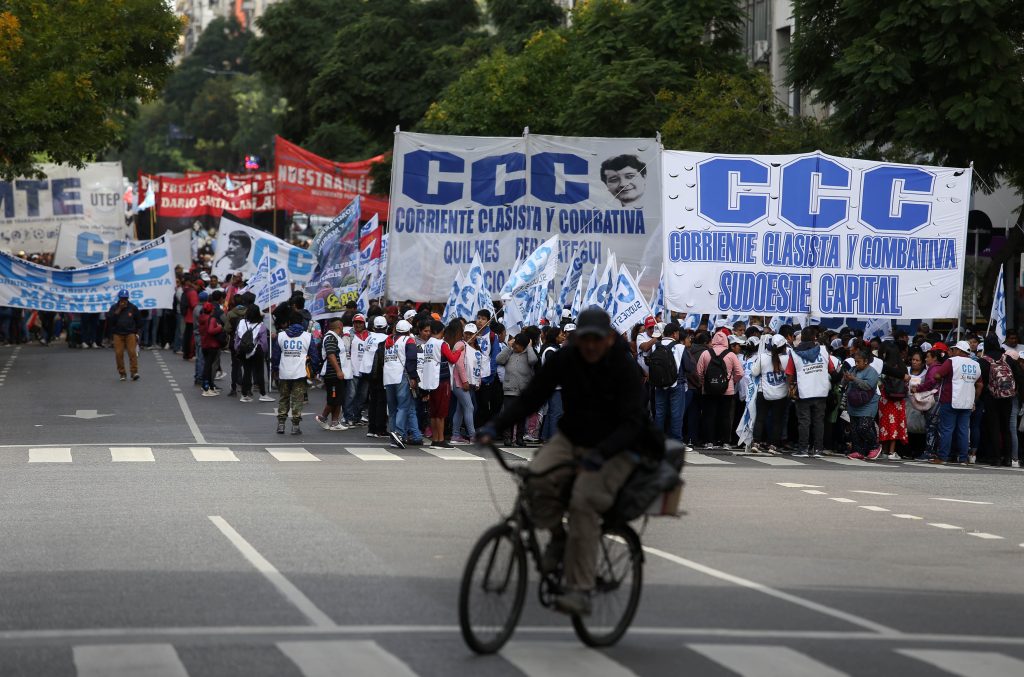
<point x="943" y="525"/>
<point x="960" y="500"/>
<point x="873" y="508"/>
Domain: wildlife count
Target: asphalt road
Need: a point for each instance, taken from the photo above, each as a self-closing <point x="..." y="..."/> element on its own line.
<point x="149" y="531"/>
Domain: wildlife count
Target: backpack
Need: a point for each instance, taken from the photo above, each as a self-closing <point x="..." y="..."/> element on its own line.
<point x="716" y="376"/>
<point x="661" y="365"/>
<point x="692" y="379"/>
<point x="377" y="370"/>
<point x="247" y="344"/>
<point x="894" y="388"/>
<point x="1000" y="379"/>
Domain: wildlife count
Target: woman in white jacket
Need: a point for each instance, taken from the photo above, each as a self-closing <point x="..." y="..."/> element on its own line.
<point x="773" y="396"/>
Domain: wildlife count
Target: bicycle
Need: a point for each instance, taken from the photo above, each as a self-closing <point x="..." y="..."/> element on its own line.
<point x="500" y="586"/>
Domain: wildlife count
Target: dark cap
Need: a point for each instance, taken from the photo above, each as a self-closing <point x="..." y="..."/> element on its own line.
<point x="593" y="321"/>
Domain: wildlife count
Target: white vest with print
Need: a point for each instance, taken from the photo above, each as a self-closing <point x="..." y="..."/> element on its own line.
<point x="965" y="373"/>
<point x="428" y="364"/>
<point x="293" y="355"/>
<point x="394" y="360"/>
<point x="812" y="376"/>
<point x="369" y="350"/>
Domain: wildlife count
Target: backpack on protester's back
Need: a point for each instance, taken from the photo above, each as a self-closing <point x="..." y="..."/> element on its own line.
<point x="662" y="369"/>
<point x="247" y="344"/>
<point x="716" y="376"/>
<point x="1001" y="384"/>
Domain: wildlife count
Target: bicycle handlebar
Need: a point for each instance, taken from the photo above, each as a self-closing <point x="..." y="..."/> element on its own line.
<point x="525" y="472"/>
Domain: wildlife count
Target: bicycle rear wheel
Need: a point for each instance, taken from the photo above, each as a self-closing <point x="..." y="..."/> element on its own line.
<point x="616" y="593"/>
<point x="493" y="589"/>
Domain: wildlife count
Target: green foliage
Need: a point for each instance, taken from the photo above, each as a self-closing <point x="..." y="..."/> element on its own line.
<point x="738" y="113"/>
<point x="220" y="50"/>
<point x="516" y="20"/>
<point x="940" y="76"/>
<point x="72" y="75"/>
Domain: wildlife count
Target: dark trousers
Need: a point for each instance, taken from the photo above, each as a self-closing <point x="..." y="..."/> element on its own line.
<point x="488" y="402"/>
<point x="252" y="372"/>
<point x="810" y="414"/>
<point x="236" y="371"/>
<point x="188" y="346"/>
<point x="997" y="426"/>
<point x="209" y="359"/>
<point x="771" y="415"/>
<point x="377" y="410"/>
<point x="716" y="417"/>
<point x="518" y="429"/>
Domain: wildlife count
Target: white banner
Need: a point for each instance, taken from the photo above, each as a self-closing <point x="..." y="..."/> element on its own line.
<point x="240" y="248"/>
<point x="84" y="244"/>
<point x="456" y="196"/>
<point x="813" y="235"/>
<point x="147" y="273"/>
<point x="270" y="284"/>
<point x="32" y="211"/>
<point x="629" y="308"/>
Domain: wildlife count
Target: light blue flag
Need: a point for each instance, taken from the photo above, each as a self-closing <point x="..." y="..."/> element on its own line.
<point x="658" y="300"/>
<point x="778" y="321"/>
<point x="877" y="326"/>
<point x="453" y="296"/>
<point x="998" y="314"/>
<point x="745" y="429"/>
<point x="691" y="321"/>
<point x="539" y="268"/>
<point x="472" y="285"/>
<point x="604" y="292"/>
<point x="571" y="279"/>
<point x="506" y="289"/>
<point x="629" y="307"/>
<point x="577" y="300"/>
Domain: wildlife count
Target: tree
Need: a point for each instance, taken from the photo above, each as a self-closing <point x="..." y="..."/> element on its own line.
<point x="72" y="75"/>
<point x="942" y="77"/>
<point x="220" y="52"/>
<point x="517" y="20"/>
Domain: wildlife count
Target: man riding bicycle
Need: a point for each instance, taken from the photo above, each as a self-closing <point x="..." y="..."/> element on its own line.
<point x="604" y="424"/>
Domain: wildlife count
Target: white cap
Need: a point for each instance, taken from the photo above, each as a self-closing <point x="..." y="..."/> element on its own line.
<point x="837" y="344"/>
<point x="733" y="340"/>
<point x="566" y="313"/>
<point x="469" y="329"/>
<point x="403" y="327"/>
<point x="569" y="328"/>
<point x="754" y="341"/>
<point x="380" y="322"/>
<point x="778" y="340"/>
<point x="719" y="323"/>
<point x="656" y="331"/>
<point x="409" y="314"/>
<point x="964" y="346"/>
<point x="925" y="347"/>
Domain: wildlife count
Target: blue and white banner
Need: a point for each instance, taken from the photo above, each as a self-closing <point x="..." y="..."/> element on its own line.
<point x="539" y="268"/>
<point x="691" y="322"/>
<point x="877" y="327"/>
<point x="499" y="197"/>
<point x="998" y="314"/>
<point x="380" y="280"/>
<point x="270" y="284"/>
<point x="629" y="308"/>
<point x="336" y="279"/>
<point x="570" y="282"/>
<point x="240" y="248"/>
<point x="450" y="307"/>
<point x="658" y="301"/>
<point x="147" y="273"/>
<point x="813" y="234"/>
<point x="469" y="300"/>
<point x="81" y="245"/>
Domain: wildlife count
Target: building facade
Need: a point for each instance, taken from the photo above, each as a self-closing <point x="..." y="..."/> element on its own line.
<point x="199" y="14"/>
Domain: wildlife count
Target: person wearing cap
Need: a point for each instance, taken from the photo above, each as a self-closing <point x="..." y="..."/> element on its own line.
<point x="809" y="372"/>
<point x="400" y="383"/>
<point x="253" y="360"/>
<point x="958" y="380"/>
<point x="567" y="330"/>
<point x="357" y="385"/>
<point x="125" y="322"/>
<point x="772" y="396"/>
<point x="377" y="400"/>
<point x="465" y="374"/>
<point x="670" y="401"/>
<point x="645" y="342"/>
<point x="604" y="417"/>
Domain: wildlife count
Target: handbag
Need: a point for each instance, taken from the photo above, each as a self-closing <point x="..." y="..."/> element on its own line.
<point x="858" y="397"/>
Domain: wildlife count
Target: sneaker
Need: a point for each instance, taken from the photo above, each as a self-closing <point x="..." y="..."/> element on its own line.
<point x="937" y="461"/>
<point x="396" y="441"/>
<point x="857" y="456"/>
<point x="816" y="454"/>
<point x="709" y="446"/>
<point x="414" y="443"/>
<point x="124" y="378"/>
<point x="574" y="603"/>
<point x="245" y="398"/>
<point x="267" y="398"/>
<point x="772" y="449"/>
<point x="1015" y="464"/>
<point x="323" y="422"/>
<point x="280" y="427"/>
<point x="459" y="439"/>
<point x="972" y="459"/>
<point x="86" y="346"/>
<point x="210" y="393"/>
<point x="874" y="454"/>
<point x="338" y="427"/>
<point x="442" y="445"/>
<point x="802" y="454"/>
<point x="219" y="377"/>
<point x="135" y="377"/>
<point x="372" y="435"/>
<point x="295" y="429"/>
<point x="893" y="456"/>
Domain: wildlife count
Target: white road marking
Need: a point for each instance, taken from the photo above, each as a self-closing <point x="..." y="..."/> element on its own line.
<point x="128" y="660"/>
<point x="873" y="508"/>
<point x="872" y="493"/>
<point x="942" y="525"/>
<point x="520" y="452"/>
<point x="772" y="592"/>
<point x="189" y="419"/>
<point x="794" y="485"/>
<point x="814" y="492"/>
<point x="374" y="454"/>
<point x="847" y="461"/>
<point x="703" y="459"/>
<point x="751" y="660"/>
<point x="775" y="460"/>
<point x="344" y="657"/>
<point x="292" y="454"/>
<point x="987" y="537"/>
<point x="968" y="663"/>
<point x="959" y="500"/>
<point x="904" y="516"/>
<point x="213" y="454"/>
<point x="452" y="454"/>
<point x="843" y="500"/>
<point x="317" y="617"/>
<point x="131" y="455"/>
<point x="50" y="455"/>
<point x="551" y="659"/>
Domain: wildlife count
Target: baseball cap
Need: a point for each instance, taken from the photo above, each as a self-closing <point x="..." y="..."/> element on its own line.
<point x="436" y="316"/>
<point x="403" y="327"/>
<point x="648" y="323"/>
<point x="469" y="329"/>
<point x="964" y="346"/>
<point x="594" y="321"/>
<point x="836" y="344"/>
<point x="656" y="331"/>
<point x="778" y="340"/>
<point x="569" y="328"/>
<point x="359" y="318"/>
<point x="203" y="296"/>
<point x="409" y="314"/>
<point x="754" y="341"/>
<point x="380" y="322"/>
<point x="925" y="347"/>
<point x="939" y="345"/>
<point x="123" y="294"/>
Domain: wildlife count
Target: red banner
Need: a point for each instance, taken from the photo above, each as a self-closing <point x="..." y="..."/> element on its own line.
<point x="209" y="194"/>
<point x="309" y="183"/>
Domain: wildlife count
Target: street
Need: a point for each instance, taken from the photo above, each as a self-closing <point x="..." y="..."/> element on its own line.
<point x="149" y="531"/>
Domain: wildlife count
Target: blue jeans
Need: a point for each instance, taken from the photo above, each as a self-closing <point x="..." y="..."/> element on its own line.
<point x="670" y="403"/>
<point x="463" y="413"/>
<point x="550" y="425"/>
<point x="356" y="391"/>
<point x="149" y="327"/>
<point x="953" y="423"/>
<point x="402" y="411"/>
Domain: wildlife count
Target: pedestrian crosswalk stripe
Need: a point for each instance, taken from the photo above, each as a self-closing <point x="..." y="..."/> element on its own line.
<point x="373" y="454"/>
<point x="213" y="454"/>
<point x="289" y="454"/>
<point x="750" y="660"/>
<point x="561" y="659"/>
<point x="50" y="455"/>
<point x="968" y="663"/>
<point x="344" y="657"/>
<point x="128" y="660"/>
<point x="694" y="458"/>
<point x="775" y="460"/>
<point x="131" y="454"/>
<point x="849" y="461"/>
<point x="526" y="454"/>
<point x="452" y="454"/>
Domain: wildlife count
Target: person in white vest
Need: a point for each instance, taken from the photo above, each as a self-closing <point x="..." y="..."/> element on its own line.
<point x="377" y="399"/>
<point x="289" y="358"/>
<point x="772" y="397"/>
<point x="959" y="382"/>
<point x="357" y="384"/>
<point x="434" y="370"/>
<point x="400" y="382"/>
<point x="809" y="373"/>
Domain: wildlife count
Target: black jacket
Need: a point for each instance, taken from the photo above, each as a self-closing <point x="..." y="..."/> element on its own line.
<point x="124" y="321"/>
<point x="603" y="403"/>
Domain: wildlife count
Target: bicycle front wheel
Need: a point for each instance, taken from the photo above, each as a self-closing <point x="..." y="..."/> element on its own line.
<point x="616" y="593"/>
<point x="493" y="589"/>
